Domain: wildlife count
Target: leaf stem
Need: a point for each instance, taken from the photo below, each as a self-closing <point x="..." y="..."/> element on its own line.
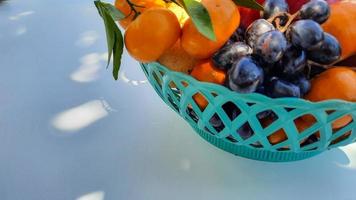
<point x="133" y="9"/>
<point x="178" y="2"/>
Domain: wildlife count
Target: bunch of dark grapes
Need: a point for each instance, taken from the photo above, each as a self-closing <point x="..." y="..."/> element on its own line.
<point x="275" y="54"/>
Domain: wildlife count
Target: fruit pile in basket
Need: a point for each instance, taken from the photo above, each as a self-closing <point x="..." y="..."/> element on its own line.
<point x="277" y="48"/>
<point x="288" y="49"/>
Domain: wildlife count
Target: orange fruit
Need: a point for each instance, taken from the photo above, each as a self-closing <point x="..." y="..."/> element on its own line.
<point x="277" y="137"/>
<point x="334" y="83"/>
<point x="151" y="34"/>
<point x="341" y="24"/>
<point x="141" y="6"/>
<point x="280" y="135"/>
<point x="225" y="19"/>
<point x="342" y="122"/>
<point x="177" y="59"/>
<point x="341" y="138"/>
<point x="200" y="101"/>
<point x="339" y="123"/>
<point x="205" y="71"/>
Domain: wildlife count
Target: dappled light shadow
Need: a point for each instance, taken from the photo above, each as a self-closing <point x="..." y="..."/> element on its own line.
<point x="81" y="116"/>
<point x="21" y="15"/>
<point x="185" y="164"/>
<point x="350" y="152"/>
<point x="21" y="31"/>
<point x="89" y="69"/>
<point x="129" y="81"/>
<point x="87" y="39"/>
<point x="98" y="195"/>
<point x="92" y="63"/>
<point x="68" y="132"/>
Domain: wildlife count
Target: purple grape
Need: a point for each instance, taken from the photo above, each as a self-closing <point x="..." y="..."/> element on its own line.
<point x="245" y="76"/>
<point x="317" y="10"/>
<point x="303" y="83"/>
<point x="273" y="7"/>
<point x="327" y="51"/>
<point x="256" y="29"/>
<point x="293" y="62"/>
<point x="229" y="54"/>
<point x="305" y="34"/>
<point x="281" y="88"/>
<point x="271" y="46"/>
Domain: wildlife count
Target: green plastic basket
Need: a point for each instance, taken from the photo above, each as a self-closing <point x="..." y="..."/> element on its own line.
<point x="177" y="90"/>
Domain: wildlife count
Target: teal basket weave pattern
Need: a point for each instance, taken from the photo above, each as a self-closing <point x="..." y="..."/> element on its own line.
<point x="177" y="90"/>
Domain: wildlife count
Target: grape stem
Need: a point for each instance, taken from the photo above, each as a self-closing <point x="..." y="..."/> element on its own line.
<point x="332" y="65"/>
<point x="312" y="63"/>
<point x="283" y="20"/>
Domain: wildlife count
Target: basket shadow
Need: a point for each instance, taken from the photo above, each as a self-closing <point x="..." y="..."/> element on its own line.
<point x="186" y="161"/>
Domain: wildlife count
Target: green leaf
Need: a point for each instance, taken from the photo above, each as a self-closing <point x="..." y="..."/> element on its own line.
<point x="114" y="36"/>
<point x="249" y="4"/>
<point x="200" y="17"/>
<point x="118" y="50"/>
<point x="114" y="13"/>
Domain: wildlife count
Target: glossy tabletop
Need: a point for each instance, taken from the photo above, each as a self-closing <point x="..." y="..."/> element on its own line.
<point x="68" y="131"/>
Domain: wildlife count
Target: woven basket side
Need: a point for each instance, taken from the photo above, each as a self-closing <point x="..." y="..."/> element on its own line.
<point x="179" y="90"/>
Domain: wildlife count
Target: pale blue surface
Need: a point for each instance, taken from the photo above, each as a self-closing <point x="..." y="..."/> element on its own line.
<point x="139" y="149"/>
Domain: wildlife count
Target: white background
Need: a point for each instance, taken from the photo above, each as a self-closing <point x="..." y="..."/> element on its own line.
<point x="69" y="132"/>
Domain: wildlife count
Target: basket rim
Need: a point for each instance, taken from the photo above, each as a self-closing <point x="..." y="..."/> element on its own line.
<point x="336" y="104"/>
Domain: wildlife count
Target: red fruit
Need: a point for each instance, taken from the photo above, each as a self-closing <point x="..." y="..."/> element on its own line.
<point x="295" y="5"/>
<point x="249" y="15"/>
